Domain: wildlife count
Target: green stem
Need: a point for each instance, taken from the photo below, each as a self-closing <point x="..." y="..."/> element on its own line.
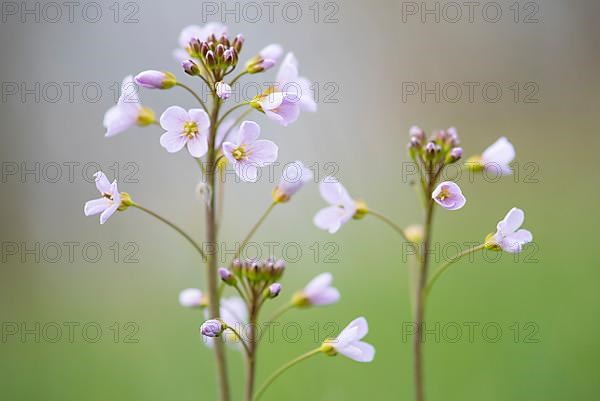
<point x="241" y="339"/>
<point x="211" y="235"/>
<point x="253" y="230"/>
<point x="282" y="369"/>
<point x="174" y="227"/>
<point x="190" y="90"/>
<point x="440" y="270"/>
<point x="238" y="76"/>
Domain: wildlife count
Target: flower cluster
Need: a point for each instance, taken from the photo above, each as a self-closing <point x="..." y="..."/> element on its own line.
<point x="214" y="138"/>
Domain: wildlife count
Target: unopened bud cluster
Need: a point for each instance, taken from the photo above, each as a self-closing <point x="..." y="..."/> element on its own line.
<point x="218" y="56"/>
<point x="440" y="149"/>
<point x="261" y="277"/>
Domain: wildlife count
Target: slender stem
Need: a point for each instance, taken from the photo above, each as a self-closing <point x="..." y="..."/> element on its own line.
<point x="231" y="110"/>
<point x="241" y="339"/>
<point x="396" y="228"/>
<point x="198" y="98"/>
<point x="174" y="227"/>
<point x="282" y="369"/>
<point x="238" y="76"/>
<point x="440" y="270"/>
<point x="201" y="165"/>
<point x="420" y="300"/>
<point x="253" y="230"/>
<point x="253" y="343"/>
<point x="211" y="235"/>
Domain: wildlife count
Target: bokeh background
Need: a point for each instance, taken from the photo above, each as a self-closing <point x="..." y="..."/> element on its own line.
<point x="363" y="62"/>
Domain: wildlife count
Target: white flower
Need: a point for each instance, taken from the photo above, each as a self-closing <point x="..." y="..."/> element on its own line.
<point x="127" y="112"/>
<point x="509" y="236"/>
<point x="448" y="195"/>
<point x="348" y="342"/>
<point x="498" y="156"/>
<point x="185" y="128"/>
<point x="110" y="201"/>
<point x="342" y="207"/>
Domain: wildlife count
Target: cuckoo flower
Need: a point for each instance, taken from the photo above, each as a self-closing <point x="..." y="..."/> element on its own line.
<point x="448" y="195"/>
<point x="185" y="128"/>
<point x="342" y="208"/>
<point x="223" y="90"/>
<point x="110" y="201"/>
<point x="212" y="328"/>
<point x="248" y="153"/>
<point x="289" y="81"/>
<point x="293" y="178"/>
<point x="495" y="159"/>
<point x="349" y="344"/>
<point x="192" y="298"/>
<point x="128" y="111"/>
<point x="196" y="32"/>
<point x="509" y="236"/>
<point x="281" y="107"/>
<point x="498" y="156"/>
<point x="317" y="292"/>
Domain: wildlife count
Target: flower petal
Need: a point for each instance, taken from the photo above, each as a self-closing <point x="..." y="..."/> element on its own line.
<point x="198" y="146"/>
<point x="329" y="218"/>
<point x="173" y="118"/>
<point x="248" y="133"/>
<point x="263" y="152"/>
<point x="201" y="118"/>
<point x="501" y="152"/>
<point x="512" y="221"/>
<point x="359" y="351"/>
<point x="108" y="212"/>
<point x="333" y="192"/>
<point x="102" y="184"/>
<point x="318" y="284"/>
<point x="327" y="296"/>
<point x="96" y="206"/>
<point x="172" y="141"/>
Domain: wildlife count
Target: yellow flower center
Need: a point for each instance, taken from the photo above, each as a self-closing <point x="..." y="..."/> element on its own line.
<point x="444" y="194"/>
<point x="190" y="129"/>
<point x="239" y="153"/>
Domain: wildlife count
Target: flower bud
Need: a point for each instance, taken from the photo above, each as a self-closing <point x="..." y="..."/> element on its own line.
<point x="274" y="290"/>
<point x="227" y="276"/>
<point x="453" y="139"/>
<point x="126" y="201"/>
<point x="145" y="117"/>
<point x="417" y="134"/>
<point x="153" y="79"/>
<point x="236" y="265"/>
<point x="278" y="268"/>
<point x="223" y="90"/>
<point x="228" y="57"/>
<point x="213" y="328"/>
<point x="454" y="155"/>
<point x="190" y="67"/>
<point x="210" y="58"/>
<point x="238" y="42"/>
<point x="430" y="151"/>
<point x="219" y="52"/>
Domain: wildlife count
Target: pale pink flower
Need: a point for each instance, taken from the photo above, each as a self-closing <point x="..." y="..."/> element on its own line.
<point x="318" y="292"/>
<point x="349" y="344"/>
<point x="248" y="153"/>
<point x="498" y="156"/>
<point x="289" y="81"/>
<point x="110" y="201"/>
<point x="448" y="195"/>
<point x="281" y="107"/>
<point x="342" y="207"/>
<point x="509" y="235"/>
<point x="185" y="128"/>
<point x="294" y="177"/>
<point x="127" y="112"/>
<point x="265" y="60"/>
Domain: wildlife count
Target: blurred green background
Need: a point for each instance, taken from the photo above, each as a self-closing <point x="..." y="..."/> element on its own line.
<point x="369" y="54"/>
